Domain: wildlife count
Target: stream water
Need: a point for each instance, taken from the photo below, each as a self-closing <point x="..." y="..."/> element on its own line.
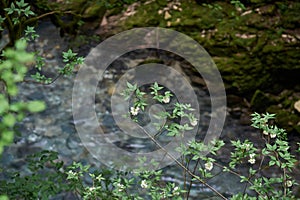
<point x="54" y="129"/>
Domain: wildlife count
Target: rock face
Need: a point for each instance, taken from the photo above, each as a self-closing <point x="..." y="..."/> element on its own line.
<point x="297" y="105"/>
<point x="70" y="15"/>
<point x="256" y="48"/>
<point x="261" y="101"/>
<point x="250" y="47"/>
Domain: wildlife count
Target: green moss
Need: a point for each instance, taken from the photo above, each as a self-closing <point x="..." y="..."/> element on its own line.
<point x="284" y="109"/>
<point x="287" y="120"/>
<point x="269" y="48"/>
<point x="287" y="103"/>
<point x="261" y="101"/>
<point x="290" y="16"/>
<point x="297" y="128"/>
<point x="273" y="109"/>
<point x="246" y="63"/>
<point x="94" y="11"/>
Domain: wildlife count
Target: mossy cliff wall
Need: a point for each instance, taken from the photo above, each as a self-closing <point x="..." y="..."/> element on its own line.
<point x="257" y="49"/>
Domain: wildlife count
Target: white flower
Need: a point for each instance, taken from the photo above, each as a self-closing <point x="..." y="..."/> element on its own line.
<point x="289" y="183"/>
<point x="166" y="99"/>
<point x="176" y="191"/>
<point x="92" y="188"/>
<point x="134" y="111"/>
<point x="208" y="166"/>
<point x="251" y="160"/>
<point x="194" y="122"/>
<point x="71" y="175"/>
<point x="265" y="133"/>
<point x="121" y="187"/>
<point x="144" y="184"/>
<point x="247" y="146"/>
<point x="252" y="155"/>
<point x="272" y="135"/>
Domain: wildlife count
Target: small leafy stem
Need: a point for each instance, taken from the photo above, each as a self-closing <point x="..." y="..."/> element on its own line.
<point x="182" y="166"/>
<point x="275" y="151"/>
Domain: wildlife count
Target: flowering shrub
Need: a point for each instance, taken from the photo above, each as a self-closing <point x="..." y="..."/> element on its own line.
<point x="109" y="184"/>
<point x="275" y="154"/>
<point x="14" y="64"/>
<point x="12" y="71"/>
<point x="47" y="176"/>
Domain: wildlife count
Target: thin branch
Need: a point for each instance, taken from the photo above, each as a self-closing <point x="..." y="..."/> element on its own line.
<point x="183" y="167"/>
<point x="34" y="81"/>
<point x="191" y="181"/>
<point x="237" y="174"/>
<point x="47" y="14"/>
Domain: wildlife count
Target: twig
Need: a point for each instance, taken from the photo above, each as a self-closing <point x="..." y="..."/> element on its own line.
<point x="34" y="81"/>
<point x="183" y="167"/>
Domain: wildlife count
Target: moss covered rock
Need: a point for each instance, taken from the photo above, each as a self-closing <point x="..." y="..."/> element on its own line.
<point x="256" y="50"/>
<point x="249" y="47"/>
<point x="261" y="101"/>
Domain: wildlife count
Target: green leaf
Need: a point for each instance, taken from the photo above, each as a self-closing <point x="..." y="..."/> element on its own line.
<point x="3" y="197"/>
<point x="7" y="137"/>
<point x="21" y="45"/>
<point x="2" y="19"/>
<point x="252" y="171"/>
<point x="129" y="85"/>
<point x="29" y="29"/>
<point x="20" y="116"/>
<point x="28" y="12"/>
<point x="4" y="104"/>
<point x="8" y="10"/>
<point x="12" y="90"/>
<point x="9" y="120"/>
<point x="15" y="20"/>
<point x="270" y="147"/>
<point x="265" y="151"/>
<point x="12" y="7"/>
<point x="17" y="107"/>
<point x="36" y="106"/>
<point x="272" y="162"/>
<point x="21" y="3"/>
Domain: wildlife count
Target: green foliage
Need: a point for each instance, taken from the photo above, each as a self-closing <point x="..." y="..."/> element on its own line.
<point x="238" y="4"/>
<point x="12" y="71"/>
<point x="41" y="78"/>
<point x="69" y="58"/>
<point x="110" y="4"/>
<point x="275" y="154"/>
<point x="18" y="10"/>
<point x="16" y="18"/>
<point x="213" y="6"/>
<point x="30" y="34"/>
<point x="48" y="176"/>
<point x="3" y="197"/>
<point x="45" y="169"/>
<point x="71" y="61"/>
<point x="14" y="65"/>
